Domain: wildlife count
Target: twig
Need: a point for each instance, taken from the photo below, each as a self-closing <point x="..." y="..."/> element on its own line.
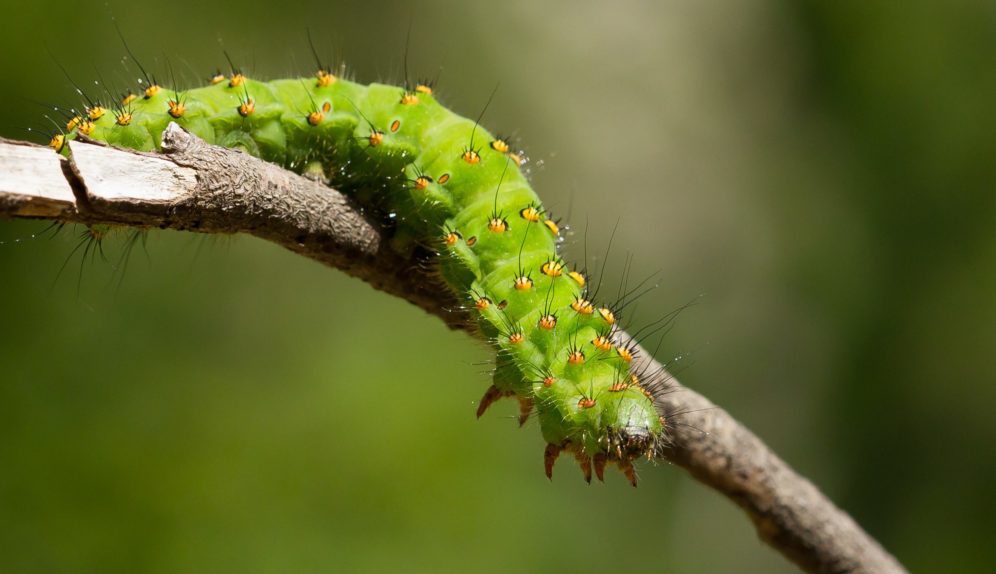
<point x="200" y="187"/>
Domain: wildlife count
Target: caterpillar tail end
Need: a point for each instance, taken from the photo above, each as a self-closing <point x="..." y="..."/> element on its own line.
<point x="549" y="457"/>
<point x="525" y="409"/>
<point x="627" y="469"/>
<point x="598" y="462"/>
<point x="585" y="463"/>
<point x="600" y="459"/>
<point x="490" y="396"/>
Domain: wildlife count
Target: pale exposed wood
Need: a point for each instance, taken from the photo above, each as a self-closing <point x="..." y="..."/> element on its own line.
<point x="32" y="183"/>
<point x="199" y="187"/>
<point x="114" y="176"/>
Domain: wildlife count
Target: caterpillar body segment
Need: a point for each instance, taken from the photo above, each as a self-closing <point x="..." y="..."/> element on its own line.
<point x="447" y="182"/>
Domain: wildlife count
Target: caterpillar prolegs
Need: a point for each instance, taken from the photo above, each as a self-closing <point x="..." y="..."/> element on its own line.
<point x="446" y="182"/>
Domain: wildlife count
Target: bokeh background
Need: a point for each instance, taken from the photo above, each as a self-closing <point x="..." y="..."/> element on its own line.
<point x="818" y="177"/>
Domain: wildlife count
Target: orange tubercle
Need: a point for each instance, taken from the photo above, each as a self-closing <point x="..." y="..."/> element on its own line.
<point x="625" y="354"/>
<point x="176" y="108"/>
<point x="552" y="268"/>
<point x="607" y="314"/>
<point x="247" y="107"/>
<point x="530" y="214"/>
<point x="602" y="343"/>
<point x="497" y="225"/>
<point x="582" y="306"/>
<point x="324" y="79"/>
<point x="57" y="142"/>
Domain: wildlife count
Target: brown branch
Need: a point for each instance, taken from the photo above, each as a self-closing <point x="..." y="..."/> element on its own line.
<point x="196" y="186"/>
<point x="199" y="187"/>
<point x="789" y="512"/>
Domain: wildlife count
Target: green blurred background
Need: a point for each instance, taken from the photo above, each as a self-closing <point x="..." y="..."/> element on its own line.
<point x="819" y="176"/>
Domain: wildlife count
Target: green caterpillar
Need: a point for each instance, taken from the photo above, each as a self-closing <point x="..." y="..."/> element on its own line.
<point x="448" y="184"/>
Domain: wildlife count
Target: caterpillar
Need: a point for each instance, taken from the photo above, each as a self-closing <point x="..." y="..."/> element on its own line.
<point x="444" y="183"/>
